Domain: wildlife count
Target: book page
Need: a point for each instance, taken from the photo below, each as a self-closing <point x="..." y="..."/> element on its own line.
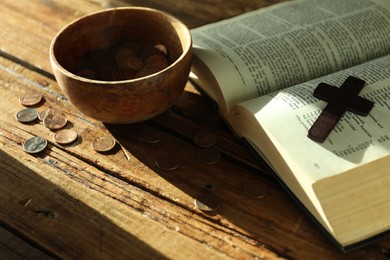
<point x="272" y="48"/>
<point x="287" y="115"/>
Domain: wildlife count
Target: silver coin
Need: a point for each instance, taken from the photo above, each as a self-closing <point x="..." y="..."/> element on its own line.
<point x="151" y="135"/>
<point x="255" y="189"/>
<point x="26" y="115"/>
<point x="207" y="202"/>
<point x="168" y="161"/>
<point x="205" y="138"/>
<point x="35" y="145"/>
<point x="208" y="155"/>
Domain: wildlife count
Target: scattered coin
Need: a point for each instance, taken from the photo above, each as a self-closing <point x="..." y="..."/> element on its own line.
<point x="255" y="189"/>
<point x="48" y="111"/>
<point x="151" y="135"/>
<point x="103" y="144"/>
<point x="168" y="161"/>
<point x="205" y="138"/>
<point x="208" y="155"/>
<point x="42" y="114"/>
<point x="55" y="122"/>
<point x="65" y="136"/>
<point x="35" y="145"/>
<point x="207" y="202"/>
<point x="26" y="115"/>
<point x="30" y="99"/>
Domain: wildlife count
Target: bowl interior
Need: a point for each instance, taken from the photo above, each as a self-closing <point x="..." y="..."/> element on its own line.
<point x="109" y="28"/>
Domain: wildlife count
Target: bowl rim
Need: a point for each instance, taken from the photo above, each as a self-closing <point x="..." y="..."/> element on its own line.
<point x="186" y="48"/>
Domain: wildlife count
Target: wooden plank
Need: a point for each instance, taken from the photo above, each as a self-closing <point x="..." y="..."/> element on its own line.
<point x="13" y="247"/>
<point x="56" y="211"/>
<point x="32" y="48"/>
<point x="76" y="178"/>
<point x="29" y="26"/>
<point x="108" y="191"/>
<point x="39" y="21"/>
<point x="166" y="197"/>
<point x="58" y="161"/>
<point x="194" y="13"/>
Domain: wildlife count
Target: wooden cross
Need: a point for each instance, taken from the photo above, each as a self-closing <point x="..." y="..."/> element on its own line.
<point x="339" y="100"/>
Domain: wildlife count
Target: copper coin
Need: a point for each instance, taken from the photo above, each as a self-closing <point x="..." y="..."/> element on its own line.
<point x="26" y="115"/>
<point x="65" y="136"/>
<point x="168" y="161"/>
<point x="207" y="202"/>
<point x="35" y="145"/>
<point x="130" y="62"/>
<point x="103" y="144"/>
<point x="205" y="138"/>
<point x="150" y="50"/>
<point x="208" y="155"/>
<point x="151" y="68"/>
<point x="55" y="122"/>
<point x="30" y="99"/>
<point x="161" y="48"/>
<point x="157" y="58"/>
<point x="48" y="111"/>
<point x="87" y="73"/>
<point x="255" y="189"/>
<point x="134" y="46"/>
<point x="151" y="135"/>
<point x="117" y="75"/>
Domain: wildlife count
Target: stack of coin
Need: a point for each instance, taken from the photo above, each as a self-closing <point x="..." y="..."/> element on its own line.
<point x="128" y="60"/>
<point x="52" y="118"/>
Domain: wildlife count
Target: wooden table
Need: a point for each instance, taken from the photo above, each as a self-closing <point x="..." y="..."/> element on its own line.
<point x="72" y="202"/>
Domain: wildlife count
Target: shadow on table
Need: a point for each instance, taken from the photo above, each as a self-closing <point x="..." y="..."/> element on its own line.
<point x="45" y="215"/>
<point x="274" y="221"/>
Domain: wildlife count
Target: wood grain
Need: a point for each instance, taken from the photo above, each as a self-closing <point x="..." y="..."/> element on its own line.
<point x="76" y="203"/>
<point x="13" y="247"/>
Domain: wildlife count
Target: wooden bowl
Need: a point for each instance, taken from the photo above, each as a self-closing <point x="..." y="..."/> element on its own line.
<point x="124" y="100"/>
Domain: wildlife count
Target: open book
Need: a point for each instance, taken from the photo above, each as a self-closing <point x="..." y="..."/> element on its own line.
<point x="262" y="67"/>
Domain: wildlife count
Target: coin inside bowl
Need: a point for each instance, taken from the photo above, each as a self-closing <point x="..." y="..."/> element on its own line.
<point x="99" y="62"/>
